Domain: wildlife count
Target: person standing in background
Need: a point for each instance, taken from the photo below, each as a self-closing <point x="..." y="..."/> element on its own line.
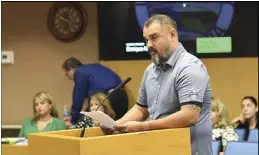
<point x="90" y="79"/>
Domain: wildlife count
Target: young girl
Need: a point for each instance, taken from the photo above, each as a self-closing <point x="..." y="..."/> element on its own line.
<point x="45" y="116"/>
<point x="95" y="101"/>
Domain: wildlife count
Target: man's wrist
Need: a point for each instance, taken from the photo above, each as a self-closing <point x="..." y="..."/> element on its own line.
<point x="146" y="126"/>
<point x="120" y="121"/>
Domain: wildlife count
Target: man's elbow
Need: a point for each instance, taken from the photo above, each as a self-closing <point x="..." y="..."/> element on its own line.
<point x="192" y="119"/>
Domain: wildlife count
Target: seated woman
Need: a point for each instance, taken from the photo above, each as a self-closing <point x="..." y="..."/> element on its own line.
<point x="95" y="101"/>
<point x="222" y="129"/>
<point x="248" y="119"/>
<point x="45" y="116"/>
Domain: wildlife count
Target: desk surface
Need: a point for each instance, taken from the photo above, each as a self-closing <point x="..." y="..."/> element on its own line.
<point x="11" y="126"/>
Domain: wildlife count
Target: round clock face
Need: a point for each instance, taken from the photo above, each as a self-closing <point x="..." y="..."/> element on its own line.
<point x="67" y="21"/>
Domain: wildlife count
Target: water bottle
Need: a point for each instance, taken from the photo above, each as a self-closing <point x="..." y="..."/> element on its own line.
<point x="65" y="113"/>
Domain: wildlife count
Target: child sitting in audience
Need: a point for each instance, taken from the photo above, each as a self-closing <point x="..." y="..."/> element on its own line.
<point x="248" y="119"/>
<point x="222" y="129"/>
<point x="45" y="116"/>
<point x="95" y="101"/>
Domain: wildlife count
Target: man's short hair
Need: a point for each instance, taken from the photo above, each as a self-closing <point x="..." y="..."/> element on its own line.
<point x="71" y="63"/>
<point x="162" y="19"/>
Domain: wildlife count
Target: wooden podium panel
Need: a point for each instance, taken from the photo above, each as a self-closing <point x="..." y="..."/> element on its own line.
<point x="14" y="149"/>
<point x="68" y="142"/>
<point x="90" y="132"/>
<point x="159" y="142"/>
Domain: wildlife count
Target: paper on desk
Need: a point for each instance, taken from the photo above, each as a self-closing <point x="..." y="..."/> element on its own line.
<point x="101" y="117"/>
<point x="14" y="140"/>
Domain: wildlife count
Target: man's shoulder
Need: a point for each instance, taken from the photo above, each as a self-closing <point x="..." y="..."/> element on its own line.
<point x="83" y="68"/>
<point x="92" y="67"/>
<point x="149" y="68"/>
<point x="188" y="60"/>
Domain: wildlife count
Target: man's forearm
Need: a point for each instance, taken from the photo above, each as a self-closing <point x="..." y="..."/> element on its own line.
<point x="134" y="114"/>
<point x="74" y="117"/>
<point x="176" y="120"/>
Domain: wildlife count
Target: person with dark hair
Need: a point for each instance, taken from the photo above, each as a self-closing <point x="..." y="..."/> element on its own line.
<point x="174" y="92"/>
<point x="248" y="119"/>
<point x="90" y="79"/>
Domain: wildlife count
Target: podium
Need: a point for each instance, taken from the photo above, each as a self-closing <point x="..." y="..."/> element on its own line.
<point x="94" y="142"/>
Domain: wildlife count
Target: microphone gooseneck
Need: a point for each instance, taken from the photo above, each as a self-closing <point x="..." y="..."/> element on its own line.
<point x="109" y="93"/>
<point x="82" y="132"/>
<point x="114" y="90"/>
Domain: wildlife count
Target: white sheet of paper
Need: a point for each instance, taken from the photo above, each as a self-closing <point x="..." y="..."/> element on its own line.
<point x="101" y="117"/>
<point x="16" y="140"/>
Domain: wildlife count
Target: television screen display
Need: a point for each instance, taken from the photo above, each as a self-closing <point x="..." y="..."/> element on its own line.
<point x="206" y="29"/>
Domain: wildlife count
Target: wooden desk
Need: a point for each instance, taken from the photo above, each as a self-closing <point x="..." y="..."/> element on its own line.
<point x="14" y="150"/>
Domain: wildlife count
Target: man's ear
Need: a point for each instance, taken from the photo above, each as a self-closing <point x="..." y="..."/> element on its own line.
<point x="173" y="33"/>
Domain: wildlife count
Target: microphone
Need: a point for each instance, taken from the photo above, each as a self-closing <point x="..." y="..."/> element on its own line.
<point x="127" y="80"/>
<point x="120" y="85"/>
<point x="82" y="132"/>
<point x="114" y="90"/>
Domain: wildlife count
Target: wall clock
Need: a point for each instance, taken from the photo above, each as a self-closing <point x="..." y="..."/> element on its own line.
<point x="67" y="21"/>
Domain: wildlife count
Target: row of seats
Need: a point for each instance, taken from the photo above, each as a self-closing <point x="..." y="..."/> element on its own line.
<point x="236" y="148"/>
<point x="252" y="137"/>
<point x="241" y="147"/>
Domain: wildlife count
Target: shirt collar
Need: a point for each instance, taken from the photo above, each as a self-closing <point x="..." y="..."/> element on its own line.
<point x="176" y="55"/>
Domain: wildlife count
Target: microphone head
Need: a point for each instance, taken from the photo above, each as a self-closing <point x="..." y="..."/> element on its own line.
<point x="127" y="79"/>
<point x="122" y="85"/>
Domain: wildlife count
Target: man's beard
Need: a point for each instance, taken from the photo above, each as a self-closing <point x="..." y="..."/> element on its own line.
<point x="161" y="59"/>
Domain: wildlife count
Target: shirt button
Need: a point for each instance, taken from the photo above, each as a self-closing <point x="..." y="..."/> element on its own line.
<point x="155" y="101"/>
<point x="158" y="86"/>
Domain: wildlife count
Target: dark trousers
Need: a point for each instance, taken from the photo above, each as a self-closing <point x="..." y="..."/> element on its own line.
<point x="119" y="102"/>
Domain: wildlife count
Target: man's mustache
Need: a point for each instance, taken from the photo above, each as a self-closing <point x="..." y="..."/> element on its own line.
<point x="151" y="50"/>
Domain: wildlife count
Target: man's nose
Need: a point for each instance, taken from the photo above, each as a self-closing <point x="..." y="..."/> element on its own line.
<point x="149" y="44"/>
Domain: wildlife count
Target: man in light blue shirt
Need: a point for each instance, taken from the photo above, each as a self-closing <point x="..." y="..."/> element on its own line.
<point x="175" y="89"/>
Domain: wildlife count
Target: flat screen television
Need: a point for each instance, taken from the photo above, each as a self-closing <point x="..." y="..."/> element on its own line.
<point x="206" y="29"/>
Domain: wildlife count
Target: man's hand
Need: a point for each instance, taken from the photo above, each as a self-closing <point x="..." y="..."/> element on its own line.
<point x="67" y="120"/>
<point x="132" y="126"/>
<point x="107" y="131"/>
<point x="68" y="124"/>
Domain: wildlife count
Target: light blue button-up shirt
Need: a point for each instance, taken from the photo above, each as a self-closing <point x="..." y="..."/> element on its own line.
<point x="182" y="80"/>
